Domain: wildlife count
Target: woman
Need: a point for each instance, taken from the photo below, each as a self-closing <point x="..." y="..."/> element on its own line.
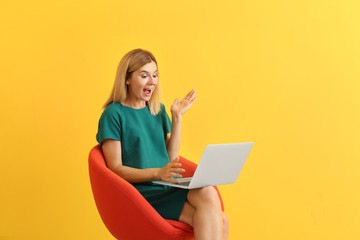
<point x="138" y="140"/>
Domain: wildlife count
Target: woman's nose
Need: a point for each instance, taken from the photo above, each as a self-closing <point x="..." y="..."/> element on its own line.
<point x="152" y="80"/>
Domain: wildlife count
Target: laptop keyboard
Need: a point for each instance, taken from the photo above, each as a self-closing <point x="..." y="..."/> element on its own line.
<point x="183" y="183"/>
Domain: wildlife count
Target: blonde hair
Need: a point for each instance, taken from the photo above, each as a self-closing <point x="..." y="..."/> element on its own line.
<point x="131" y="62"/>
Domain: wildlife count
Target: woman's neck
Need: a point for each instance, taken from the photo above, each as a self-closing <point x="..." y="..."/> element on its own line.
<point x="134" y="104"/>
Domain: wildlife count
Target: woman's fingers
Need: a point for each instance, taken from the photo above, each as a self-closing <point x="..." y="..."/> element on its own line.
<point x="177" y="169"/>
<point x="173" y="169"/>
<point x="193" y="100"/>
<point x="180" y="107"/>
<point x="173" y="180"/>
<point x="190" y="95"/>
<point x="176" y="101"/>
<point x="190" y="103"/>
<point x="176" y="175"/>
<point x="189" y="100"/>
<point x="175" y="166"/>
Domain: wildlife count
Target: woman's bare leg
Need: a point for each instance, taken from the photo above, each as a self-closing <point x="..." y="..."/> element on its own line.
<point x="225" y="235"/>
<point x="203" y="213"/>
<point x="187" y="215"/>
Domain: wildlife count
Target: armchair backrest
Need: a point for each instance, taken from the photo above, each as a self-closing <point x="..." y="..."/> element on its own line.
<point x="119" y="204"/>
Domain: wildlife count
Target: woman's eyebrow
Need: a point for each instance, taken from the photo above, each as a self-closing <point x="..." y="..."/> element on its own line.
<point x="147" y="71"/>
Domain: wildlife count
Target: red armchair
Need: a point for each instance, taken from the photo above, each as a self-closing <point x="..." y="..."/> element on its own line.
<point x="125" y="212"/>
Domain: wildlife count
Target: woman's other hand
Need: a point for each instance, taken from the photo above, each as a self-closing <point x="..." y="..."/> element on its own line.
<point x="179" y="108"/>
<point x="170" y="170"/>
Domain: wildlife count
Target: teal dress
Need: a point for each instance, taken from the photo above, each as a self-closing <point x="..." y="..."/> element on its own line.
<point x="142" y="137"/>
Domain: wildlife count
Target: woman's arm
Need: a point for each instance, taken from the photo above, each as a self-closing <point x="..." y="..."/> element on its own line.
<point x="112" y="153"/>
<point x="173" y="139"/>
<point x="177" y="110"/>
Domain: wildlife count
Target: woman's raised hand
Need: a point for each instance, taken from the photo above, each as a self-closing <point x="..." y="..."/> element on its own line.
<point x="171" y="170"/>
<point x="179" y="108"/>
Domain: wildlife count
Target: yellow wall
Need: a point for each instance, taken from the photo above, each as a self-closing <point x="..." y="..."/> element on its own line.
<point x="284" y="74"/>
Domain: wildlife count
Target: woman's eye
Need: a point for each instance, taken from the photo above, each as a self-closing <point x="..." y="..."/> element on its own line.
<point x="154" y="76"/>
<point x="144" y="76"/>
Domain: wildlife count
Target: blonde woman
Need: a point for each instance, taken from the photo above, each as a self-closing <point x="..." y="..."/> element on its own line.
<point x="141" y="144"/>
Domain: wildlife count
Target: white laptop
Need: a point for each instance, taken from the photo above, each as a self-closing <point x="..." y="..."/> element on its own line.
<point x="220" y="164"/>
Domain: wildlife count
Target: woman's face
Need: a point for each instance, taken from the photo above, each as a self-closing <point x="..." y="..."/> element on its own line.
<point x="142" y="83"/>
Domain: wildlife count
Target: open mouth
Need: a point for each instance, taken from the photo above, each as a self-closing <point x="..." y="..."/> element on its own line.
<point x="147" y="91"/>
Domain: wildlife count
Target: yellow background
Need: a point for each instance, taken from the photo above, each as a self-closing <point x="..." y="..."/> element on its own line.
<point x="284" y="74"/>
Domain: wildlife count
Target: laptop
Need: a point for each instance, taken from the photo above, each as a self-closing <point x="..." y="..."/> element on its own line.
<point x="220" y="164"/>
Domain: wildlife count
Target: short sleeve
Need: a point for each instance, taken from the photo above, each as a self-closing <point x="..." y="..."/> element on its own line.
<point x="166" y="120"/>
<point x="109" y="125"/>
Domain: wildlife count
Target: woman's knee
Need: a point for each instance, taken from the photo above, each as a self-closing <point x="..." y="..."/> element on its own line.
<point x="204" y="196"/>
